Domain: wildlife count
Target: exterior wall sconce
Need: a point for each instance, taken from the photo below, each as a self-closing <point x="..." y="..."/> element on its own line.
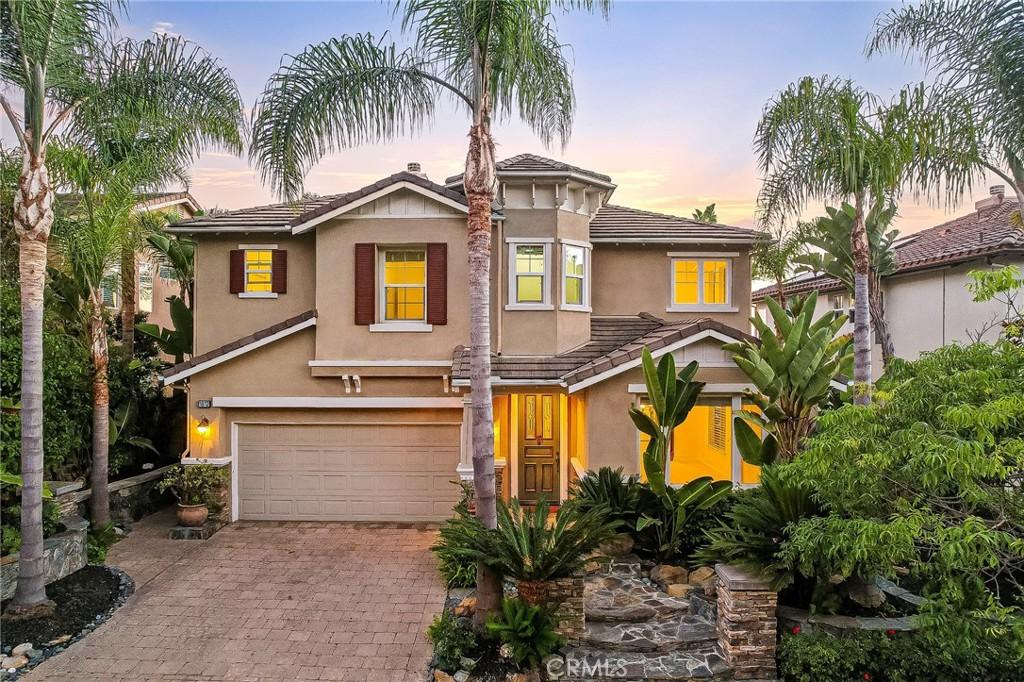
<point x="203" y="427"/>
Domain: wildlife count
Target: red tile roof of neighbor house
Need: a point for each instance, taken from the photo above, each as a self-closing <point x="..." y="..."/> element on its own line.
<point x="614" y="340"/>
<point x="989" y="231"/>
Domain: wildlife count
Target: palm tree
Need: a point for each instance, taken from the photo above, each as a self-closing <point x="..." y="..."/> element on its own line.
<point x="490" y="57"/>
<point x="828" y="139"/>
<point x="774" y="259"/>
<point x="831" y="235"/>
<point x="140" y="227"/>
<point x="975" y="48"/>
<point x="43" y="47"/>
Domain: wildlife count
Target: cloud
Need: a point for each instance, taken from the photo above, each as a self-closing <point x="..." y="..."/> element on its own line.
<point x="163" y="28"/>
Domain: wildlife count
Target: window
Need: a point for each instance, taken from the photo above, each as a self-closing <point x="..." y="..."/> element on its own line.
<point x="701" y="445"/>
<point x="575" y="263"/>
<point x="529" y="265"/>
<point x="841" y="305"/>
<point x="717" y="427"/>
<point x="108" y="289"/>
<point x="405" y="285"/>
<point x="700" y="282"/>
<point x="258" y="270"/>
<point x="146" y="287"/>
<point x="167" y="272"/>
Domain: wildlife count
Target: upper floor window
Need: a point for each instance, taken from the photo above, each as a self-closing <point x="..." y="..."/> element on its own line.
<point x="167" y="272"/>
<point x="700" y="282"/>
<point x="259" y="268"/>
<point x="146" y="287"/>
<point x="575" y="276"/>
<point x="404" y="290"/>
<point x="529" y="270"/>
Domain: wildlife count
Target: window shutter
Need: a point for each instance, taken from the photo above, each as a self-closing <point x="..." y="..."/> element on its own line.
<point x="366" y="254"/>
<point x="437" y="283"/>
<point x="236" y="268"/>
<point x="279" y="271"/>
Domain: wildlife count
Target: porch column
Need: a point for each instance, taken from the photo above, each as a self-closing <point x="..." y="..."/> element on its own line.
<point x="465" y="467"/>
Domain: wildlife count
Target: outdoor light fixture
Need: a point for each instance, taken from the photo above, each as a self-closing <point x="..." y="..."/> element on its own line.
<point x="203" y="427"/>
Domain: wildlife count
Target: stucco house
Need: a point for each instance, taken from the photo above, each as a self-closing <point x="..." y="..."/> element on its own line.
<point x="927" y="301"/>
<point x="330" y="371"/>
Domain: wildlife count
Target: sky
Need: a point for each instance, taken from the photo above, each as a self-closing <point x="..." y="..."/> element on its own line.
<point x="668" y="94"/>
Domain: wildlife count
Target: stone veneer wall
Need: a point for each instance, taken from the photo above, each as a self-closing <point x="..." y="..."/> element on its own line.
<point x="563" y="597"/>
<point x="746" y="625"/>
<point x="63" y="554"/>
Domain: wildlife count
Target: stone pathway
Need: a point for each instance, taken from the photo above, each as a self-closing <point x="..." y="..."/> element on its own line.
<point x="266" y="601"/>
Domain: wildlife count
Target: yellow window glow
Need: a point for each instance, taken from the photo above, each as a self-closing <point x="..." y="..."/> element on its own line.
<point x="405" y="285"/>
<point x="529" y="264"/>
<point x="574" y="274"/>
<point x="684" y="277"/>
<point x="715" y="281"/>
<point x="258" y="268"/>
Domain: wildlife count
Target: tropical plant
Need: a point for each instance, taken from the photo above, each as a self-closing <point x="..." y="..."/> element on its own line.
<point x="11" y="534"/>
<point x="99" y="541"/>
<point x="176" y="342"/>
<point x="614" y="492"/>
<point x="1003" y="285"/>
<point x="975" y="50"/>
<point x="774" y="259"/>
<point x="193" y="484"/>
<point x="452" y="642"/>
<point x="138" y="227"/>
<point x="179" y="254"/>
<point x="706" y="214"/>
<point x="793" y="375"/>
<point x="526" y="631"/>
<point x="663" y="527"/>
<point x="457" y="569"/>
<point x="43" y="52"/>
<point x="494" y="57"/>
<point x="832" y="234"/>
<point x="754" y="528"/>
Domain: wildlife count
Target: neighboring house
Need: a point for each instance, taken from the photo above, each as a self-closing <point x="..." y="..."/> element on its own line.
<point x="331" y="369"/>
<point x="927" y="302"/>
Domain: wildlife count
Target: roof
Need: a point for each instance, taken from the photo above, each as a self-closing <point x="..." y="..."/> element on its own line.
<point x="619" y="223"/>
<point x="239" y="346"/>
<point x="988" y="232"/>
<point x="147" y="200"/>
<point x="615" y="340"/>
<point x="532" y="163"/>
<point x="287" y="215"/>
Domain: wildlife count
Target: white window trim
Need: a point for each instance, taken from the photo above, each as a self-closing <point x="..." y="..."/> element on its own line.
<point x="700" y="306"/>
<point x="585" y="307"/>
<point x="514" y="243"/>
<point x="245" y="270"/>
<point x="384" y="324"/>
<point x="146" y="268"/>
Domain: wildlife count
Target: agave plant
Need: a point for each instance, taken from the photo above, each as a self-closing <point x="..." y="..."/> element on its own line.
<point x="793" y="373"/>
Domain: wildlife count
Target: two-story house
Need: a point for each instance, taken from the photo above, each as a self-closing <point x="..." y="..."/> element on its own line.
<point x="330" y="368"/>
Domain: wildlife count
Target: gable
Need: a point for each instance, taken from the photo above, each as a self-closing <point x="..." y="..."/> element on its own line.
<point x="403" y="203"/>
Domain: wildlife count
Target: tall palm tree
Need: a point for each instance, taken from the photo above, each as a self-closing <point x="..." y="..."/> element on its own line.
<point x="43" y="49"/>
<point x="975" y="49"/>
<point x="829" y="139"/>
<point x="491" y="58"/>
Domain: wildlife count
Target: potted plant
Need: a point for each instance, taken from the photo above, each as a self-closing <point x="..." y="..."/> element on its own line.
<point x="193" y="486"/>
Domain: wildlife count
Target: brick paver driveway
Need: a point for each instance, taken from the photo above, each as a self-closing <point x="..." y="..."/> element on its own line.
<point x="266" y="601"/>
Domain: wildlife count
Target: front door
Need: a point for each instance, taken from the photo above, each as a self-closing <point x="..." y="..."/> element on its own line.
<point x="538" y="447"/>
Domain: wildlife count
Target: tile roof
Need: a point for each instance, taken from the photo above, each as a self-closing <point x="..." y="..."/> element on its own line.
<point x="987" y="232"/>
<point x="239" y="343"/>
<point x="618" y="223"/>
<point x="534" y="163"/>
<point x="614" y="340"/>
<point x="286" y="215"/>
<point x="71" y="200"/>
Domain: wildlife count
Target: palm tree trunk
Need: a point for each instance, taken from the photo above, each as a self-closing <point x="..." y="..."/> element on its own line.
<point x="861" y="294"/>
<point x="129" y="299"/>
<point x="879" y="323"/>
<point x="99" y="501"/>
<point x="479" y="182"/>
<point x="33" y="217"/>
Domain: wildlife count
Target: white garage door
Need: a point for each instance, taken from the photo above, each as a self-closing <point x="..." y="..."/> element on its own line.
<point x="347" y="472"/>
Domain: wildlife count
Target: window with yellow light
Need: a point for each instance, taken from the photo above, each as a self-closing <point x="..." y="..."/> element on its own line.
<point x="259" y="265"/>
<point x="529" y="273"/>
<point x="700" y="281"/>
<point x="405" y="285"/>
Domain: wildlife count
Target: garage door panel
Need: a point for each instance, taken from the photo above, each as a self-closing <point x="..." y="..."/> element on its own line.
<point x="387" y="472"/>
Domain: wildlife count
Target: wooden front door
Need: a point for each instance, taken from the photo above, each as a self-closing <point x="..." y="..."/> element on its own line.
<point x="538" y="447"/>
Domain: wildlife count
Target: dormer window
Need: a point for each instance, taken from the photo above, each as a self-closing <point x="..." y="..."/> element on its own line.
<point x="529" y="274"/>
<point x="700" y="282"/>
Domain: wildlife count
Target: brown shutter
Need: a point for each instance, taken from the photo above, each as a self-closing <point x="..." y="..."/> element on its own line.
<point x="366" y="254"/>
<point x="437" y="283"/>
<point x="236" y="271"/>
<point x="279" y="271"/>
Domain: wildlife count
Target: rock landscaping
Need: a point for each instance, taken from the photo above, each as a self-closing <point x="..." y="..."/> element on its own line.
<point x="83" y="600"/>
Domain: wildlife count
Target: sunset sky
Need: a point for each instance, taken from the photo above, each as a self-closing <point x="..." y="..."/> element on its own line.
<point x="669" y="94"/>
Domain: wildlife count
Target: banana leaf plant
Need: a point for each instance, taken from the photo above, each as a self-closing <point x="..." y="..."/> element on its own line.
<point x="792" y="367"/>
<point x="176" y="342"/>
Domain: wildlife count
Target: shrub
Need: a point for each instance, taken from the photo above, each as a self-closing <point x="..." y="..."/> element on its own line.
<point x="457" y="568"/>
<point x="10" y="532"/>
<point x="452" y="641"/>
<point x="609" y="489"/>
<point x="99" y="541"/>
<point x="902" y="657"/>
<point x="664" y="528"/>
<point x="193" y="483"/>
<point x="526" y="632"/>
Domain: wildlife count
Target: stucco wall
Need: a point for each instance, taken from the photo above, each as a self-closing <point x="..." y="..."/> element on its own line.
<point x="632" y="279"/>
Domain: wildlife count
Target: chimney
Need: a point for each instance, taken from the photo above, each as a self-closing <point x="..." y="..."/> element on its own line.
<point x="415" y="168"/>
<point x="996" y="194"/>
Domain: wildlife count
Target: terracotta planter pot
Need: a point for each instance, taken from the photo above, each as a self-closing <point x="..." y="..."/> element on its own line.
<point x="192" y="515"/>
<point x="534" y="592"/>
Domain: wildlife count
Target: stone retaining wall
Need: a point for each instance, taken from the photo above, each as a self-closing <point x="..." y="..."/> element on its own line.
<point x="563" y="597"/>
<point x="130" y="498"/>
<point x="746" y="623"/>
<point x="63" y="554"/>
